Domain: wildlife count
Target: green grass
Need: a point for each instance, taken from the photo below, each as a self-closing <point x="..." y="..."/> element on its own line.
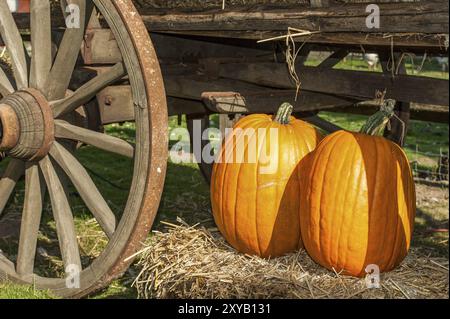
<point x="413" y="66"/>
<point x="11" y="291"/>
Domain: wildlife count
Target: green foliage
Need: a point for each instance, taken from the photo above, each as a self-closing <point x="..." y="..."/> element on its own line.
<point x="12" y="291"/>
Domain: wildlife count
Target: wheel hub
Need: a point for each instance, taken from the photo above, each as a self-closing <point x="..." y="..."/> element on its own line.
<point x="26" y="125"/>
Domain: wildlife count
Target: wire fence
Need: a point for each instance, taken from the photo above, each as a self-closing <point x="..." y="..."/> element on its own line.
<point x="429" y="167"/>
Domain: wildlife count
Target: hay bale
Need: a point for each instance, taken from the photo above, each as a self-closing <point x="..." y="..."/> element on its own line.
<point x="195" y="262"/>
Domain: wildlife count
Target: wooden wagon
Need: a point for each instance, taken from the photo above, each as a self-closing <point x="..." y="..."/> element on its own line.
<point x="96" y="63"/>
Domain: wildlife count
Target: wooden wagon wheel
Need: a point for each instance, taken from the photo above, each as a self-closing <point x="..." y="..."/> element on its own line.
<point x="31" y="134"/>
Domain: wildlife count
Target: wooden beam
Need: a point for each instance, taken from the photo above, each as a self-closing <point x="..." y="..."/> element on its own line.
<point x="420" y="112"/>
<point x="186" y="94"/>
<point x="356" y="84"/>
<point x="411" y="42"/>
<point x="323" y="124"/>
<point x="418" y="25"/>
<point x="423" y="17"/>
<point x="190" y="49"/>
<point x="179" y="106"/>
<point x="192" y="87"/>
<point x="333" y="59"/>
<point x="116" y="105"/>
<point x="231" y="96"/>
<point x="100" y="47"/>
<point x="268" y="101"/>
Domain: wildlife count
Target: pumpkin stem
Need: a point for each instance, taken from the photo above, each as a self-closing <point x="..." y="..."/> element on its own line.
<point x="377" y="123"/>
<point x="284" y="113"/>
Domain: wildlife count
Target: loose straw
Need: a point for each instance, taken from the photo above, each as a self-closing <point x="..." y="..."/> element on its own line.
<point x="298" y="33"/>
<point x="292" y="52"/>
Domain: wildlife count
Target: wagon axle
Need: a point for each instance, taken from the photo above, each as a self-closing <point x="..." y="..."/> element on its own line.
<point x="27" y="125"/>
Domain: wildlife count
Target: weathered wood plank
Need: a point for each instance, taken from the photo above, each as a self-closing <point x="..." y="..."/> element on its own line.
<point x="342" y="82"/>
<point x="116" y="104"/>
<point x="193" y="86"/>
<point x="99" y="47"/>
<point x="421" y="112"/>
<point x="413" y="42"/>
<point x="179" y="106"/>
<point x="334" y="59"/>
<point x="423" y="17"/>
<point x="323" y="124"/>
<point x="185" y="92"/>
<point x="423" y="37"/>
<point x="268" y="101"/>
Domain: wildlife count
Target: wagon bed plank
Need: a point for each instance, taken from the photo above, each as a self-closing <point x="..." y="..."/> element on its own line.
<point x="342" y="82"/>
<point x="429" y="17"/>
<point x="411" y="41"/>
<point x="422" y="24"/>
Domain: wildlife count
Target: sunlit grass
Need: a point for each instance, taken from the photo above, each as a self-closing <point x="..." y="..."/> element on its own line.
<point x="430" y="68"/>
<point x="12" y="291"/>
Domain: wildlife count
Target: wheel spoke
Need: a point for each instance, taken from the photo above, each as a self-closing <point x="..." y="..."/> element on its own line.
<point x="88" y="90"/>
<point x="13" y="172"/>
<point x="6" y="263"/>
<point x="31" y="218"/>
<point x="85" y="187"/>
<point x="102" y="141"/>
<point x="41" y="41"/>
<point x="66" y="58"/>
<point x="13" y="41"/>
<point x="6" y="87"/>
<point x="62" y="213"/>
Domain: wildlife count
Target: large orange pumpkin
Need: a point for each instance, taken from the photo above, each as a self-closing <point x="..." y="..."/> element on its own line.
<point x="254" y="192"/>
<point x="357" y="204"/>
